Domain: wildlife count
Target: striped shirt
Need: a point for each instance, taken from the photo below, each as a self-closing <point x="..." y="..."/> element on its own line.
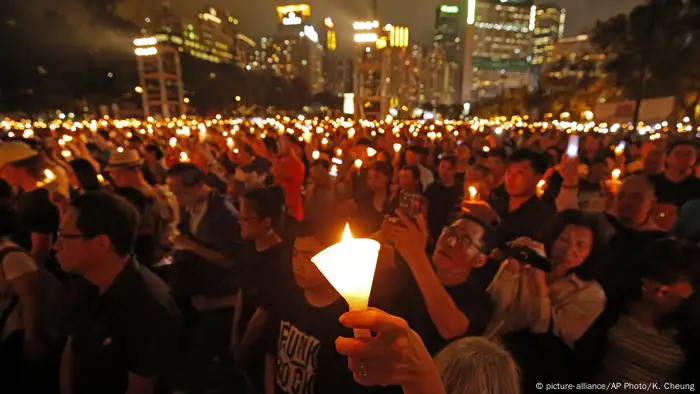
<point x="641" y="354"/>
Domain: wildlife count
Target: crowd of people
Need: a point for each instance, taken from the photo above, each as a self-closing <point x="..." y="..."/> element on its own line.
<point x="174" y="256"/>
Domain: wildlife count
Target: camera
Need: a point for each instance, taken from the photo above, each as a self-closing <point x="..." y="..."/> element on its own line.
<point x="527" y="256"/>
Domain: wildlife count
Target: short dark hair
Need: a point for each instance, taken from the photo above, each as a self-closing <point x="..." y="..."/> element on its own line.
<point x="323" y="163"/>
<point x="449" y="158"/>
<point x="414" y="171"/>
<point x="383" y="168"/>
<point x="267" y="203"/>
<point x="189" y="173"/>
<point x="670" y="260"/>
<point x="536" y="160"/>
<point x="497" y="152"/>
<point x="156" y="150"/>
<point x="100" y="213"/>
<point x="592" y="266"/>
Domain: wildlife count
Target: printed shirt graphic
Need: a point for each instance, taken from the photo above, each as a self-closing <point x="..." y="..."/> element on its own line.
<point x="297" y="360"/>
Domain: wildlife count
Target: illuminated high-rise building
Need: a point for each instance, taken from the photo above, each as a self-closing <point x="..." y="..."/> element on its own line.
<point x="549" y="29"/>
<point x="498" y="47"/>
<point x="447" y="40"/>
<point x="448" y="29"/>
<point x="160" y="78"/>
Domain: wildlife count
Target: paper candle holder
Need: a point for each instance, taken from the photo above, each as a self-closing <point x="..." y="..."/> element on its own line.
<point x="349" y="267"/>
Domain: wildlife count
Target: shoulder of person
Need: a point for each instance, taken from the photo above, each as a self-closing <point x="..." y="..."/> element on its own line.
<point x="15" y="262"/>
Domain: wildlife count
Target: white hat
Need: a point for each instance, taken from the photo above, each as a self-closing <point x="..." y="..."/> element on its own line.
<point x="14" y="151"/>
<point x="126" y="159"/>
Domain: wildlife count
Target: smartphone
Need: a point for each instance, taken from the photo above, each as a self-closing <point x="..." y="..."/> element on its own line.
<point x="411" y="204"/>
<point x="572" y="147"/>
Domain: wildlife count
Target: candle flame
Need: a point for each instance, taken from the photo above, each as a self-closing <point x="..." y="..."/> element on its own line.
<point x="347" y="235"/>
<point x="315" y="155"/>
<point x="100" y="178"/>
<point x="49" y="175"/>
<point x="472" y="191"/>
<point x="541" y="183"/>
<point x="397" y="147"/>
<point x="358" y="163"/>
<point x="173" y="142"/>
<point x="487" y="149"/>
<point x="616" y="173"/>
<point x="371" y="152"/>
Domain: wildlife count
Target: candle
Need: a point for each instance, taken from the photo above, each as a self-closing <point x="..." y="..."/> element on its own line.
<point x="358" y="164"/>
<point x="487" y="149"/>
<point x="229" y="142"/>
<point x="334" y="171"/>
<point x="100" y="178"/>
<point x="315" y="155"/>
<point x="339" y="152"/>
<point x="351" y="133"/>
<point x="473" y="193"/>
<point x="371" y="152"/>
<point x="184" y="158"/>
<point x="541" y="187"/>
<point x="66" y="153"/>
<point x="349" y="267"/>
<point x="397" y="147"/>
<point x="48" y="178"/>
<point x="173" y="142"/>
<point x="614" y="183"/>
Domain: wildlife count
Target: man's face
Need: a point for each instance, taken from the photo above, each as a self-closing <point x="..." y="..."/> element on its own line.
<point x="682" y="158"/>
<point x="377" y="180"/>
<point x="74" y="252"/>
<point x="306" y="273"/>
<point x="252" y="225"/>
<point x="457" y="249"/>
<point x="654" y="161"/>
<point x="520" y="179"/>
<point x="406" y="180"/>
<point x="122" y="177"/>
<point x="446" y="171"/>
<point x="633" y="202"/>
<point x="186" y="196"/>
<point x="665" y="298"/>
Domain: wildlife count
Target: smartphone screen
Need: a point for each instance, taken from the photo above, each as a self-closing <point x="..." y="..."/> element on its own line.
<point x="572" y="147"/>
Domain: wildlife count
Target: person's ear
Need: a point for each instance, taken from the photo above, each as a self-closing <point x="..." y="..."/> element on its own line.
<point x="481" y="261"/>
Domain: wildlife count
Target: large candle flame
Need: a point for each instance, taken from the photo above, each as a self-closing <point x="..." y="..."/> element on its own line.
<point x="616" y="174"/>
<point x="347" y="235"/>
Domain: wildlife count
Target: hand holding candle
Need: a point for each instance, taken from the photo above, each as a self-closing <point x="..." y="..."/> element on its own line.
<point x="614" y="182"/>
<point x="349" y="267"/>
<point x="541" y="187"/>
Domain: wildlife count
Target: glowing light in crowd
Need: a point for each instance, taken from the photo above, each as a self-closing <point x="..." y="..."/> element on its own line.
<point x="66" y="153"/>
<point x="397" y="147"/>
<point x="184" y="157"/>
<point x="173" y="142"/>
<point x="358" y="164"/>
<point x="349" y="267"/>
<point x="371" y="152"/>
<point x="487" y="149"/>
<point x="473" y="193"/>
<point x="315" y="155"/>
<point x="541" y="187"/>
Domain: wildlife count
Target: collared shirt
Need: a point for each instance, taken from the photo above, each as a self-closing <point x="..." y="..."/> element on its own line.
<point x="217" y="229"/>
<point x="133" y="327"/>
<point x="570" y="309"/>
<point x="526" y="221"/>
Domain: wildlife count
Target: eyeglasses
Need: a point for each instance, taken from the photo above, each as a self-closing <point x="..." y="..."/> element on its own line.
<point x="452" y="238"/>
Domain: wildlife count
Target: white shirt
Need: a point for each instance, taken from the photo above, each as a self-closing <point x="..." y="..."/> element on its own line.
<point x="13" y="266"/>
<point x="426" y="176"/>
<point x="571" y="307"/>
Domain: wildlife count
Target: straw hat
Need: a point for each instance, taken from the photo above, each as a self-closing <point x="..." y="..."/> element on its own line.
<point x="128" y="158"/>
<point x="14" y="151"/>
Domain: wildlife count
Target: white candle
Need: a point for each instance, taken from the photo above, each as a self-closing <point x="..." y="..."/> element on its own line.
<point x="349" y="266"/>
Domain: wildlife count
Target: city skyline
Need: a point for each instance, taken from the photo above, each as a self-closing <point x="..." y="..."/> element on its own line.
<point x="258" y="17"/>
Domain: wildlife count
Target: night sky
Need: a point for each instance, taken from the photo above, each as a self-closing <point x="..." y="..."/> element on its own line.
<point x="258" y="17"/>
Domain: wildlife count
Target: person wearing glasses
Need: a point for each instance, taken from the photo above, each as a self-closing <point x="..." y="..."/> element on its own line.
<point x="452" y="305"/>
<point x="126" y="326"/>
<point x="655" y="339"/>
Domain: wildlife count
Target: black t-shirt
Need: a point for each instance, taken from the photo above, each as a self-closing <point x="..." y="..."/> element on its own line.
<point x="301" y="338"/>
<point x="676" y="193"/>
<point x="35" y="214"/>
<point x="526" y="221"/>
<point x="441" y="200"/>
<point x="133" y="327"/>
<point x="267" y="277"/>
